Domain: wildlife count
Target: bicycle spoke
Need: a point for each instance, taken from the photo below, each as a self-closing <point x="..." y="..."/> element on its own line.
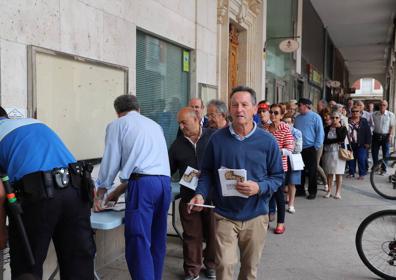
<point x="383" y="182"/>
<point x="375" y="241"/>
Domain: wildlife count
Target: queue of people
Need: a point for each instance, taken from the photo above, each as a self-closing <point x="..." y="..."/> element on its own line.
<point x="287" y="142"/>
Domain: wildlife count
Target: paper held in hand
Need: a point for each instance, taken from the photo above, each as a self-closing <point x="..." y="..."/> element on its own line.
<point x="229" y="179"/>
<point x="190" y="178"/>
<point x="202" y="205"/>
<point x="113" y="205"/>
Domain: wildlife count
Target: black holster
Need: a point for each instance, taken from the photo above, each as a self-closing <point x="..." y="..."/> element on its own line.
<point x="80" y="174"/>
<point x="31" y="187"/>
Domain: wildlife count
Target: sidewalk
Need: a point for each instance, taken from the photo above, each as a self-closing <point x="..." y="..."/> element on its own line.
<point x="319" y="242"/>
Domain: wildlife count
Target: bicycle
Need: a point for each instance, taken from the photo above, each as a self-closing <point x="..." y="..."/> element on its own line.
<point x="376" y="236"/>
<point x="384" y="182"/>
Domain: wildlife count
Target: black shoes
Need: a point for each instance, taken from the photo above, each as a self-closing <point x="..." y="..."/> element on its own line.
<point x="300" y="193"/>
<point x="210" y="273"/>
<point x="311" y="196"/>
<point x="191" y="277"/>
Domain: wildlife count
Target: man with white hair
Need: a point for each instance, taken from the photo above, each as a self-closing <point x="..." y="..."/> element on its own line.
<point x="384" y="123"/>
<point x="217" y="114"/>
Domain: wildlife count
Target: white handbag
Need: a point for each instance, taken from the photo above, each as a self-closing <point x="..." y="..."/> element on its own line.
<point x="296" y="162"/>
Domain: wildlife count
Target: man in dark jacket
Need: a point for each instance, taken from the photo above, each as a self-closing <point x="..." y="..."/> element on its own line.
<point x="187" y="151"/>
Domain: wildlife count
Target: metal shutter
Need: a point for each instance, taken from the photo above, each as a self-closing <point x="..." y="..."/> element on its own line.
<point x="161" y="85"/>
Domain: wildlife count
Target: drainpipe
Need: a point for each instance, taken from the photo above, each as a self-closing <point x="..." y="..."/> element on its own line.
<point x="325" y="61"/>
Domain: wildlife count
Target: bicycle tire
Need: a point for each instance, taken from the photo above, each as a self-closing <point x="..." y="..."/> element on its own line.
<point x="380" y="186"/>
<point x="365" y="230"/>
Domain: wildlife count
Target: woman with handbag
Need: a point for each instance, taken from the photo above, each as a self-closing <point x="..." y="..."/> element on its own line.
<point x="293" y="177"/>
<point x="333" y="164"/>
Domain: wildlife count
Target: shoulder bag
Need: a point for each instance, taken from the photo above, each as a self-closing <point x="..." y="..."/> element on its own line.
<point x="344" y="153"/>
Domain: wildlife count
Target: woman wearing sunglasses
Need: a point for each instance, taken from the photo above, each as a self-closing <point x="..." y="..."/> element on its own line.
<point x="281" y="132"/>
<point x="332" y="164"/>
<point x="359" y="133"/>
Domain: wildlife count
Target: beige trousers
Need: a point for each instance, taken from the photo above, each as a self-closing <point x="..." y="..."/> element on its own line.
<point x="249" y="236"/>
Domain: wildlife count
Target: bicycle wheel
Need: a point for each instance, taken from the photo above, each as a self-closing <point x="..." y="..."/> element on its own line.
<point x="376" y="243"/>
<point x="384" y="183"/>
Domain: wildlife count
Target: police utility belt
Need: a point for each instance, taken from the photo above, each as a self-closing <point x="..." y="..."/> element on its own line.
<point x="44" y="185"/>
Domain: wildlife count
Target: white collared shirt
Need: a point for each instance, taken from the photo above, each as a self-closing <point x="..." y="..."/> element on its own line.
<point x="383" y="122"/>
<point x="239" y="137"/>
<point x="133" y="144"/>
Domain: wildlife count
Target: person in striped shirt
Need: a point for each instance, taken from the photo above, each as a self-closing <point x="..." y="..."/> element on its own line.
<point x="283" y="136"/>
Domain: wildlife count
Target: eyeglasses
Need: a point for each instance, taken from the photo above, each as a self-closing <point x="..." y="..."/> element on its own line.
<point x="212" y="115"/>
<point x="274" y="112"/>
<point x="334" y="118"/>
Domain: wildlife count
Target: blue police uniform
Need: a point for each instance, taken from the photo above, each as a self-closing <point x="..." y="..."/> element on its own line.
<point x="29" y="151"/>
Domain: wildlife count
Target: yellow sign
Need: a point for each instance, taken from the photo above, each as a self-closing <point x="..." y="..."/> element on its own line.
<point x="316" y="77"/>
<point x="186" y="61"/>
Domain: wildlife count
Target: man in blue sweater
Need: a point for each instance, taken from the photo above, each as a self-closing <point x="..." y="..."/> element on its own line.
<point x="311" y="126"/>
<point x="240" y="221"/>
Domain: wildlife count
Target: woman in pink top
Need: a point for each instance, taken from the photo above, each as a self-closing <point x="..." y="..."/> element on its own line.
<point x="281" y="132"/>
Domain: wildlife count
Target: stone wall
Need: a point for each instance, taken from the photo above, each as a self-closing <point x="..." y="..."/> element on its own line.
<point x="102" y="30"/>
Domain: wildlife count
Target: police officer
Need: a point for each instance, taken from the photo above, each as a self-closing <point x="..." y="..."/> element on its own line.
<point x="54" y="194"/>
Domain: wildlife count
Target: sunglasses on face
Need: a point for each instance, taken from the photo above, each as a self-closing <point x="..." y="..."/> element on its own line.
<point x="355" y="111"/>
<point x="274" y="112"/>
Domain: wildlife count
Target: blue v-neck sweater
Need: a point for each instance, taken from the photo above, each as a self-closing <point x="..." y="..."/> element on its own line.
<point x="259" y="154"/>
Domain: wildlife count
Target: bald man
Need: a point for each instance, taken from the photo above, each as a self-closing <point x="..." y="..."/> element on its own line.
<point x="188" y="150"/>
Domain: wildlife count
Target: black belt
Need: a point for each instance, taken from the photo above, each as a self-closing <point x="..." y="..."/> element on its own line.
<point x="381" y="134"/>
<point x="58" y="178"/>
<point x="136" y="176"/>
<point x="38" y="185"/>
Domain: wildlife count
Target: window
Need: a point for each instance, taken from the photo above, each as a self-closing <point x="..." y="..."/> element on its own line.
<point x="161" y="85"/>
<point x="367" y="86"/>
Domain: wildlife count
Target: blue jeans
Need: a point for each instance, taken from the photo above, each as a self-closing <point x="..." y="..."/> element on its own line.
<point x="360" y="155"/>
<point x="146" y="215"/>
<point x="380" y="141"/>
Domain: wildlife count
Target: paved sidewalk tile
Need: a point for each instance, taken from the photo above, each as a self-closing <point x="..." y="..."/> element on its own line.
<point x="319" y="242"/>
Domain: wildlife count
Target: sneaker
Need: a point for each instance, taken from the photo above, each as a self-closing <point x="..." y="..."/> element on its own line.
<point x="191" y="277"/>
<point x="291" y="210"/>
<point x="337" y="196"/>
<point x="210" y="273"/>
<point x="327" y="195"/>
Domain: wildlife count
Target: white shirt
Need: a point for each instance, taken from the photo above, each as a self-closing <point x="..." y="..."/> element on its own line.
<point x="133" y="144"/>
<point x="383" y="122"/>
<point x="369" y="117"/>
